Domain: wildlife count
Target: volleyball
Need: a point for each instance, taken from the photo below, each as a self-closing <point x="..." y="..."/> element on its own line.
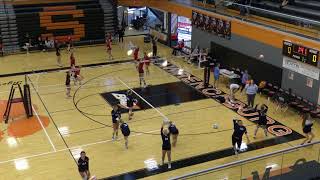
<point x="215" y="126"/>
<point x="261" y="56"/>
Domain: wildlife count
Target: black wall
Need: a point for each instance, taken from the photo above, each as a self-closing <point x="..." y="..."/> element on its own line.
<point x="233" y="59"/>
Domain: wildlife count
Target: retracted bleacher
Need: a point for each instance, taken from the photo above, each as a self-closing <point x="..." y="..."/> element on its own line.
<point x="83" y="20"/>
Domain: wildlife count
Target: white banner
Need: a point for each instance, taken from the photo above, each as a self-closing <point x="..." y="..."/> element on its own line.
<point x="301" y="68"/>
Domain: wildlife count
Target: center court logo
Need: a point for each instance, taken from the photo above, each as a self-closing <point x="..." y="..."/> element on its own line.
<point x="122" y="98"/>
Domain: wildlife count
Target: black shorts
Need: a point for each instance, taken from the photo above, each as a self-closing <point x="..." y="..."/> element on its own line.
<point x="126" y="134"/>
<point x="82" y="170"/>
<point x="175" y="132"/>
<point x="130" y="104"/>
<point x="307" y="130"/>
<point x="166" y="147"/>
<point x="236" y="140"/>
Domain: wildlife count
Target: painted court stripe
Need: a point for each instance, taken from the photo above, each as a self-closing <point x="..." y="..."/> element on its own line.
<point x="165" y="117"/>
<point x="71" y="148"/>
<point x="44" y="130"/>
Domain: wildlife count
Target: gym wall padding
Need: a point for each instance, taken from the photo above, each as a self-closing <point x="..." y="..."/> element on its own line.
<point x="84" y="21"/>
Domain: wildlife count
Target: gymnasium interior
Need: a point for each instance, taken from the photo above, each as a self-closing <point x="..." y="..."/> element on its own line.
<point x="66" y="67"/>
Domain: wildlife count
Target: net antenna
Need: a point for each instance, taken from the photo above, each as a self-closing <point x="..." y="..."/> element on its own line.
<point x="25" y="98"/>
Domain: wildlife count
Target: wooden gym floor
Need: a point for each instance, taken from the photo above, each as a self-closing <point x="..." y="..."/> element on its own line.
<point x="47" y="145"/>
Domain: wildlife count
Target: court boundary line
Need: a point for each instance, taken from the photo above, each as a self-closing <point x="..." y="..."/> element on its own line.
<point x="72" y="148"/>
<point x="44" y="129"/>
<point x="165" y="117"/>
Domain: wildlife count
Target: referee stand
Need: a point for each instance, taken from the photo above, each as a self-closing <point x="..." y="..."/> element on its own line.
<point x="25" y="98"/>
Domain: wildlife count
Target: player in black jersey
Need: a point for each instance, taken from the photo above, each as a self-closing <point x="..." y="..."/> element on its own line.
<point x="174" y="132"/>
<point x="116" y="116"/>
<point x="239" y="130"/>
<point x="125" y="132"/>
<point x="83" y="166"/>
<point x="307" y="124"/>
<point x="68" y="84"/>
<point x="262" y="122"/>
<point x="130" y="101"/>
<point x="166" y="145"/>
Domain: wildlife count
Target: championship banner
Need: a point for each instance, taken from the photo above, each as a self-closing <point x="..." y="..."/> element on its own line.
<point x="216" y="26"/>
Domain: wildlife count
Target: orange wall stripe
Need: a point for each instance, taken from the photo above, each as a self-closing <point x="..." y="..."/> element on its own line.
<point x="258" y="33"/>
<point x="61" y="12"/>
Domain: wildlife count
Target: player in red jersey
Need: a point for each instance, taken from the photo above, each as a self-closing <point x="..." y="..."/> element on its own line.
<point x="75" y="74"/>
<point x="136" y="53"/>
<point x="109" y="47"/>
<point x="147" y="63"/>
<point x="69" y="43"/>
<point x="141" y="73"/>
<point x="72" y="60"/>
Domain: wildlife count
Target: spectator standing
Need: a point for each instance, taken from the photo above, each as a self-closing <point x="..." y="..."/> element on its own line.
<point x="251" y="91"/>
<point x="244" y="79"/>
<point x="216" y="75"/>
<point x="154" y="46"/>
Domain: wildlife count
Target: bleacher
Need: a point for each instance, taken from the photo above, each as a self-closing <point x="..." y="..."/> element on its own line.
<point x="86" y="21"/>
<point x="303" y="8"/>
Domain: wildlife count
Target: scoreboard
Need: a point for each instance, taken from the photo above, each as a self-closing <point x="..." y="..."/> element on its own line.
<point x="300" y="53"/>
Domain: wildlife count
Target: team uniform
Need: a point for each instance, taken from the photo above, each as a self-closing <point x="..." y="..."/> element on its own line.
<point x="125" y="129"/>
<point x="130" y="103"/>
<point x="58" y="54"/>
<point x="116" y="116"/>
<point x="262" y="121"/>
<point x="136" y="54"/>
<point x="175" y="132"/>
<point x="166" y="145"/>
<point x="109" y="47"/>
<point x="72" y="60"/>
<point x="147" y="62"/>
<point x="307" y="126"/>
<point x="69" y="43"/>
<point x="68" y="85"/>
<point x="83" y="165"/>
<point x="173" y="129"/>
<point x="141" y="73"/>
<point x="237" y="134"/>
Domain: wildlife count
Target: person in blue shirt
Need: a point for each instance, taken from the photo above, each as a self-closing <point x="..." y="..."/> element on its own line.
<point x="251" y="91"/>
<point x="216" y="75"/>
<point x="244" y="79"/>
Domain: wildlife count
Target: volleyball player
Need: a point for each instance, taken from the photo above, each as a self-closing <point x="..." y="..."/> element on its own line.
<point x="68" y="84"/>
<point x="307" y="124"/>
<point x="174" y="131"/>
<point x="116" y="116"/>
<point x="130" y="101"/>
<point x="141" y="73"/>
<point x="69" y="43"/>
<point x="147" y="63"/>
<point x="75" y="74"/>
<point x="72" y="60"/>
<point x="58" y="54"/>
<point x="239" y="130"/>
<point x="166" y="145"/>
<point x="136" y="53"/>
<point x="262" y="122"/>
<point x="83" y="166"/>
<point x="125" y="132"/>
<point x="109" y="48"/>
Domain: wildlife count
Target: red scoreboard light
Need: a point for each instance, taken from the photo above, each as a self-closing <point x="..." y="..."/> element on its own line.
<point x="300" y="53"/>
